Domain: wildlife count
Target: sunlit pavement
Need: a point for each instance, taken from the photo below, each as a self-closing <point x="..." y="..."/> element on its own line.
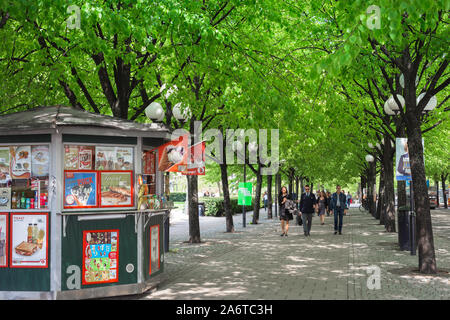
<point x="256" y="263"/>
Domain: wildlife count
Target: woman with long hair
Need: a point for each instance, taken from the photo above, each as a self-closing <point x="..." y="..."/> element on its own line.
<point x="285" y="215"/>
<point x="322" y="201"/>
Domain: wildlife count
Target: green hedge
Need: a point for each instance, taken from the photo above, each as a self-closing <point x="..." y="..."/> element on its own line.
<point x="215" y="206"/>
<point x="177" y="196"/>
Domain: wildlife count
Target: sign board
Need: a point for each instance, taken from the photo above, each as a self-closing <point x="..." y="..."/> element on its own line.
<point x="402" y="164"/>
<point x="245" y="194"/>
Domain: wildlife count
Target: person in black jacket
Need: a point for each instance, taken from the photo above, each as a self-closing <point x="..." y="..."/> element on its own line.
<point x="339" y="206"/>
<point x="285" y="215"/>
<point x="308" y="204"/>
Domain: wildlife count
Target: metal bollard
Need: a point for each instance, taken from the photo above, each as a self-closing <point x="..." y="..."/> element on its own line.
<point x="412" y="232"/>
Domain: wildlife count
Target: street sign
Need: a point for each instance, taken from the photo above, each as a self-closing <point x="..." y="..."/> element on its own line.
<point x="245" y="194"/>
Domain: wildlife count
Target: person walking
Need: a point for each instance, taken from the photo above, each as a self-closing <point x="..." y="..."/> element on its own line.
<point x="285" y="215"/>
<point x="328" y="203"/>
<point x="307" y="207"/>
<point x="322" y="205"/>
<point x="265" y="200"/>
<point x="339" y="206"/>
<point x="349" y="200"/>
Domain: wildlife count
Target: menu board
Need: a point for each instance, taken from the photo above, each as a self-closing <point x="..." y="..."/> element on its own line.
<point x="29" y="240"/>
<point x="154" y="249"/>
<point x="113" y="158"/>
<point x="80" y="189"/>
<point x="116" y="189"/>
<point x="5" y="198"/>
<point x="40" y="161"/>
<point x="100" y="256"/>
<point x="3" y="240"/>
<point x="5" y="176"/>
<point x="20" y="162"/>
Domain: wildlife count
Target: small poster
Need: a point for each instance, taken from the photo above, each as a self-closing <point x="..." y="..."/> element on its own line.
<point x="100" y="256"/>
<point x="124" y="159"/>
<point x="155" y="263"/>
<point x="80" y="189"/>
<point x="402" y="163"/>
<point x="29" y="243"/>
<point x="40" y="161"/>
<point x="116" y="189"/>
<point x="70" y="157"/>
<point x="85" y="158"/>
<point x="149" y="162"/>
<point x="20" y="162"/>
<point x="105" y="158"/>
<point x="5" y="198"/>
<point x="3" y="240"/>
<point x="5" y="175"/>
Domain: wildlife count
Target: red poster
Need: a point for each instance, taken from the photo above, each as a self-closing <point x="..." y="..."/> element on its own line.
<point x="196" y="161"/>
<point x="100" y="256"/>
<point x="173" y="154"/>
<point x="3" y="240"/>
<point x="149" y="162"/>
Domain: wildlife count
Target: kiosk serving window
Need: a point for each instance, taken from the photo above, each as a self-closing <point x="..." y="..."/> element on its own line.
<point x="24" y="176"/>
<point x="98" y="176"/>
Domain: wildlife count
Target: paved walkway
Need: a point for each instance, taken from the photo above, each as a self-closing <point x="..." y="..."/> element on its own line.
<point x="256" y="263"/>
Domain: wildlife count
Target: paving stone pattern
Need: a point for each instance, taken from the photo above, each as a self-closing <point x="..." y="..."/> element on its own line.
<point x="256" y="263"/>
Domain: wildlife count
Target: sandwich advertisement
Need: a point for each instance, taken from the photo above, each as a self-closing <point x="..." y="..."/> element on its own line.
<point x="29" y="240"/>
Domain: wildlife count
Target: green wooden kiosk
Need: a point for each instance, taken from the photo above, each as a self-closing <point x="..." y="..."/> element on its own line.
<point x="82" y="208"/>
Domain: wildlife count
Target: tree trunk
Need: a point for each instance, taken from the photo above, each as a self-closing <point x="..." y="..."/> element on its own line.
<point x="401" y="193"/>
<point x="424" y="229"/>
<point x="257" y="204"/>
<point x="389" y="193"/>
<point x="269" y="196"/>
<point x="194" y="223"/>
<point x="436" y="182"/>
<point x="371" y="180"/>
<point x="444" y="195"/>
<point x="379" y="212"/>
<point x="226" y="198"/>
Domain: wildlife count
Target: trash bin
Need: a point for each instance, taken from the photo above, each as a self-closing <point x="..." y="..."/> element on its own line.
<point x="404" y="228"/>
<point x="201" y="209"/>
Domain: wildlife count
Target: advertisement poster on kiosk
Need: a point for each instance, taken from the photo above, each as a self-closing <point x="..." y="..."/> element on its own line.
<point x="3" y="240"/>
<point x="100" y="256"/>
<point x="29" y="240"/>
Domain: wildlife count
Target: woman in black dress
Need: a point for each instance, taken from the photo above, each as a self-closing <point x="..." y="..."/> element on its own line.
<point x="285" y="215"/>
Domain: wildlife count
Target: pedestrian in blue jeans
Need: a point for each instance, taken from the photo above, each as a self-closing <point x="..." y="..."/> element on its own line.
<point x="338" y="204"/>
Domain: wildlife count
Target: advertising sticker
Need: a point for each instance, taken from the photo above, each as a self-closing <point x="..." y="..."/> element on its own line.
<point x="70" y="157"/>
<point x="3" y="240"/>
<point x="29" y="241"/>
<point x="100" y="256"/>
<point x="40" y="160"/>
<point x="154" y="249"/>
<point x="5" y="198"/>
<point x="5" y="175"/>
<point x="20" y="162"/>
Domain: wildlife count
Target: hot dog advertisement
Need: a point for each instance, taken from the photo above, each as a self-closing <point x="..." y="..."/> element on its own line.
<point x="116" y="189"/>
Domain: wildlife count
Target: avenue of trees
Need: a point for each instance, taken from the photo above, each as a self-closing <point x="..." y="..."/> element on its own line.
<point x="319" y="72"/>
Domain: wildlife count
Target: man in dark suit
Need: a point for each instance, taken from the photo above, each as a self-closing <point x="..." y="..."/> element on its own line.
<point x="338" y="204"/>
<point x="308" y="204"/>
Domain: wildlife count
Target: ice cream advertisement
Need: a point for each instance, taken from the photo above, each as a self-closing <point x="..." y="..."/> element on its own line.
<point x="100" y="256"/>
<point x="80" y="189"/>
<point x="116" y="189"/>
<point x="20" y="162"/>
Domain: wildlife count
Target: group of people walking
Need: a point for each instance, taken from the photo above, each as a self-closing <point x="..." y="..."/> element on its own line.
<point x="309" y="203"/>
